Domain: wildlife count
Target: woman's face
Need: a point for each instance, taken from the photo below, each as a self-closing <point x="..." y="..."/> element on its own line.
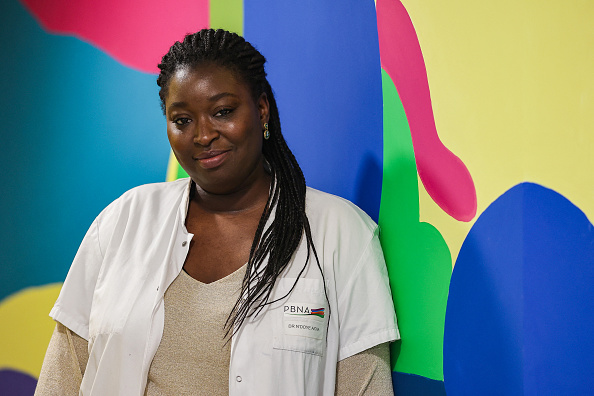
<point x="215" y="128"/>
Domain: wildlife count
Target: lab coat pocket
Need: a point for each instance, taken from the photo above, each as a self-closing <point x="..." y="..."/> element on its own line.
<point x="301" y="321"/>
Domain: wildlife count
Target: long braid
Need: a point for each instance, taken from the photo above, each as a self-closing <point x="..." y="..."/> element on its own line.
<point x="280" y="240"/>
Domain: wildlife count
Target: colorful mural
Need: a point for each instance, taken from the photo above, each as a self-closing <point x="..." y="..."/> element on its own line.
<point x="463" y="128"/>
<point x="519" y="312"/>
<point x="133" y="33"/>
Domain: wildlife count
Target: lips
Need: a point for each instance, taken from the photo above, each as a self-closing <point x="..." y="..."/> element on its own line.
<point x="212" y="158"/>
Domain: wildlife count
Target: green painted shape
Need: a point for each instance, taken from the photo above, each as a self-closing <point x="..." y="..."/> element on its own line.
<point x="181" y="173"/>
<point x="227" y="14"/>
<point x="419" y="261"/>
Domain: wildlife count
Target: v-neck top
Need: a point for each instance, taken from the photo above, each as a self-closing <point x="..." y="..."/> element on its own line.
<point x="193" y="356"/>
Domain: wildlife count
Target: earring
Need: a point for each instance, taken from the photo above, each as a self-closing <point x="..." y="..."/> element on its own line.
<point x="266" y="131"/>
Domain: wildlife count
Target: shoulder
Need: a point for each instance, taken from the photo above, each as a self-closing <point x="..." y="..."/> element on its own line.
<point x="144" y="207"/>
<point x="329" y="211"/>
<point x="148" y="197"/>
<point x="154" y="191"/>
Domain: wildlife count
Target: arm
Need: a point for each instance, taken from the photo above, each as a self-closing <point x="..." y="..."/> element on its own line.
<point x="366" y="373"/>
<point x="64" y="364"/>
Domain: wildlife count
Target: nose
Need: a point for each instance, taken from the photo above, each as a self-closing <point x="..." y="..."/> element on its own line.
<point x="204" y="132"/>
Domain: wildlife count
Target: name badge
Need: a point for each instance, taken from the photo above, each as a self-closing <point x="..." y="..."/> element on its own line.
<point x="306" y="320"/>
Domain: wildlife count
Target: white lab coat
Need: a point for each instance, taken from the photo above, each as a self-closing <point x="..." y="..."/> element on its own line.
<point x="136" y="247"/>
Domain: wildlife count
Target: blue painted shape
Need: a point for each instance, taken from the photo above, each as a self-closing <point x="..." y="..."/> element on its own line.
<point x="416" y="385"/>
<point x="324" y="67"/>
<point x="78" y="129"/>
<point x="558" y="296"/>
<point x="483" y="325"/>
<point x="15" y="383"/>
<point x="519" y="314"/>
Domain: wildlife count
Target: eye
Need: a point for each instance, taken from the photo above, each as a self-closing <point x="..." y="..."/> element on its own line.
<point x="223" y="112"/>
<point x="182" y="121"/>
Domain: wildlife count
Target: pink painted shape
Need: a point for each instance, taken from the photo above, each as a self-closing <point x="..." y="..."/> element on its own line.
<point x="137" y="33"/>
<point x="444" y="175"/>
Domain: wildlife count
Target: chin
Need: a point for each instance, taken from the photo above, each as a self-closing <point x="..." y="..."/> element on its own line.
<point x="220" y="187"/>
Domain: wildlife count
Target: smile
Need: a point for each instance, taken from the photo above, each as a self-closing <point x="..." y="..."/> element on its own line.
<point x="212" y="159"/>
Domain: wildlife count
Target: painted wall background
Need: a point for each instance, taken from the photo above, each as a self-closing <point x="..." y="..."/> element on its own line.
<point x="465" y="128"/>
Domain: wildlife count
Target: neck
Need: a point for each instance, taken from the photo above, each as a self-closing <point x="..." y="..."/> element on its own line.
<point x="250" y="197"/>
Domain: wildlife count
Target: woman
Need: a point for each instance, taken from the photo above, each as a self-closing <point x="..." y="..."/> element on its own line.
<point x="239" y="280"/>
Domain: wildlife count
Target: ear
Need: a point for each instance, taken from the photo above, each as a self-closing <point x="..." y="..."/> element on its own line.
<point x="263" y="108"/>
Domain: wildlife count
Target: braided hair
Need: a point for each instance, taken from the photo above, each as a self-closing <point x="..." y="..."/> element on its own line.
<point x="279" y="241"/>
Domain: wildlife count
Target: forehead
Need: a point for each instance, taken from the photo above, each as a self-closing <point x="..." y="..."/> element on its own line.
<point x="205" y="79"/>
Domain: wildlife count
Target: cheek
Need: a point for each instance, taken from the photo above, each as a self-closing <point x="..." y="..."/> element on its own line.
<point x="170" y="133"/>
<point x="252" y="143"/>
<point x="177" y="140"/>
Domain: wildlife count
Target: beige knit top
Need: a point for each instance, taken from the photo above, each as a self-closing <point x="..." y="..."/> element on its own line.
<point x="179" y="370"/>
<point x="193" y="356"/>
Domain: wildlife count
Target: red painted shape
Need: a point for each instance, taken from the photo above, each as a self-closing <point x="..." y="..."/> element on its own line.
<point x="444" y="175"/>
<point x="137" y="33"/>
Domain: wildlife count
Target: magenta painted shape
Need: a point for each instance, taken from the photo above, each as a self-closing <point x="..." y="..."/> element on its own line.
<point x="444" y="175"/>
<point x="137" y="33"/>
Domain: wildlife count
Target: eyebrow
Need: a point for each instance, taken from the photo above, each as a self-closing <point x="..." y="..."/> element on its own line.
<point x="220" y="96"/>
<point x="177" y="104"/>
<point x="211" y="99"/>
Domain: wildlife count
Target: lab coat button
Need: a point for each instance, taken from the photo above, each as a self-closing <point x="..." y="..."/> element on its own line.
<point x="184" y="243"/>
<point x="238" y="378"/>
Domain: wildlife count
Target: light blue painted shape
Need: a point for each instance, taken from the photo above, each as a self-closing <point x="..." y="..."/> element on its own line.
<point x="78" y="129"/>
